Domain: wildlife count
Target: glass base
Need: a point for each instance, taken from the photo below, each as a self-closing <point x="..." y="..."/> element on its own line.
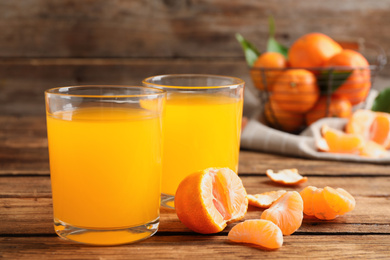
<point x="167" y="201"/>
<point x="105" y="237"/>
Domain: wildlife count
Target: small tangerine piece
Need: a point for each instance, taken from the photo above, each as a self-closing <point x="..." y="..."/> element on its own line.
<point x="259" y="232"/>
<point x="360" y="122"/>
<point x="286" y="176"/>
<point x="286" y="212"/>
<point x="321" y="209"/>
<point x="339" y="200"/>
<point x="307" y="197"/>
<point x="264" y="200"/>
<point x="372" y="149"/>
<point x="380" y="129"/>
<point x="336" y="141"/>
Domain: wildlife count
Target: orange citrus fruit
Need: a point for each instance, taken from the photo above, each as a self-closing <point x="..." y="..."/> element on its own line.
<point x="372" y="149"/>
<point x="207" y="200"/>
<point x="259" y="232"/>
<point x="360" y="122"/>
<point x="321" y="209"/>
<point x="326" y="203"/>
<point x="265" y="199"/>
<point x="339" y="200"/>
<point x="374" y="126"/>
<point x="358" y="84"/>
<point x="266" y="69"/>
<point x="312" y="50"/>
<point x="336" y="141"/>
<point x="282" y="119"/>
<point x="380" y="129"/>
<point x="286" y="212"/>
<point x="296" y="90"/>
<point x="307" y="197"/>
<point x="337" y="107"/>
<point x="286" y="177"/>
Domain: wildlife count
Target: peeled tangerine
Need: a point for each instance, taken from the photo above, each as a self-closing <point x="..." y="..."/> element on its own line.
<point x="326" y="203"/>
<point x="207" y="200"/>
<point x="259" y="232"/>
<point x="286" y="212"/>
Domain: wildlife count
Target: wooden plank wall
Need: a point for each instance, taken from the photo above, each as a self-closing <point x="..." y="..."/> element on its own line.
<point x="50" y="43"/>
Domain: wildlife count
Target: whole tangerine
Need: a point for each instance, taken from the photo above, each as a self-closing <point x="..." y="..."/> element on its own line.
<point x="312" y="50"/>
<point x="296" y="90"/>
<point x="266" y="69"/>
<point x="282" y="119"/>
<point x="337" y="107"/>
<point x="358" y="84"/>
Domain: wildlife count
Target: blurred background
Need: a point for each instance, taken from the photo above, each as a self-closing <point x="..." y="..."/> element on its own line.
<point x="53" y="43"/>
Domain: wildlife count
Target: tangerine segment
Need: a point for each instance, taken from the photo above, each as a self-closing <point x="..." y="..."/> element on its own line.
<point x="339" y="200"/>
<point x="360" y="122"/>
<point x="307" y="197"/>
<point x="336" y="141"/>
<point x="380" y="129"/>
<point x="257" y="231"/>
<point x="265" y="200"/>
<point x="207" y="200"/>
<point x="286" y="177"/>
<point x="373" y="150"/>
<point x="286" y="212"/>
<point x="321" y="209"/>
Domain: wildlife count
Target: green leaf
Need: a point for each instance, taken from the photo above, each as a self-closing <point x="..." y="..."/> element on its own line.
<point x="382" y="101"/>
<point x="273" y="45"/>
<point x="332" y="79"/>
<point x="271" y="26"/>
<point x="250" y="51"/>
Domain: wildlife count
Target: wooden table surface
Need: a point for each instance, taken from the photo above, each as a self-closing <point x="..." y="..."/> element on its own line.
<point x="26" y="229"/>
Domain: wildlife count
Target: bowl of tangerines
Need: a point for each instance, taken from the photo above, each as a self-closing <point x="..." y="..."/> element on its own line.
<point x="315" y="77"/>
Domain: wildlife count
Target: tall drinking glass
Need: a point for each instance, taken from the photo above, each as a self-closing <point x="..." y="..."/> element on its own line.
<point x="202" y="125"/>
<point x="105" y="145"/>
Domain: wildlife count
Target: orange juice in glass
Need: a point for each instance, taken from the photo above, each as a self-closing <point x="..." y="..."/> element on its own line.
<point x="105" y="145"/>
<point x="202" y="125"/>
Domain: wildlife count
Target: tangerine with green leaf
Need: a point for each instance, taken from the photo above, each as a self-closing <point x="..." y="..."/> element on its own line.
<point x="266" y="69"/>
<point x="358" y="84"/>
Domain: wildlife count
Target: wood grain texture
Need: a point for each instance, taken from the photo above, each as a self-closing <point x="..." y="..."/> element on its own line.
<point x="39" y="186"/>
<point x="200" y="247"/>
<point x="23" y="82"/>
<point x="26" y="206"/>
<point x="163" y="28"/>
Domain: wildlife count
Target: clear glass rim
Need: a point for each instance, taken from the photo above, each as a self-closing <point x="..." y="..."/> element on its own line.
<point x="239" y="81"/>
<point x="154" y="91"/>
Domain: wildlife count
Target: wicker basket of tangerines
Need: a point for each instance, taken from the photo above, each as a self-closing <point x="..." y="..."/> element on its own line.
<point x="315" y="77"/>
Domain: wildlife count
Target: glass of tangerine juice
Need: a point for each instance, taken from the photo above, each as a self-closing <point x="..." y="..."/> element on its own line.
<point x="105" y="146"/>
<point x="202" y="125"/>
